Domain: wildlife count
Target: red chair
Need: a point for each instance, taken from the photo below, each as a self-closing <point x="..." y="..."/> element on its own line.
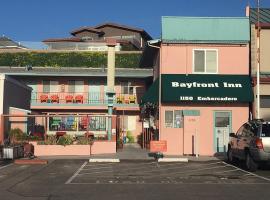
<point x="55" y="98"/>
<point x="69" y="99"/>
<point x="44" y="98"/>
<point x="79" y="99"/>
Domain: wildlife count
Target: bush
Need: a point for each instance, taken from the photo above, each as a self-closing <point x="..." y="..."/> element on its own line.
<point x="17" y="135"/>
<point x="65" y="140"/>
<point x="130" y="137"/>
<point x="51" y="140"/>
<point x="84" y="141"/>
<point x="68" y="59"/>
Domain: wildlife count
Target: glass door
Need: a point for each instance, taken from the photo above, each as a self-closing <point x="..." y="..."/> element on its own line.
<point x="222" y="129"/>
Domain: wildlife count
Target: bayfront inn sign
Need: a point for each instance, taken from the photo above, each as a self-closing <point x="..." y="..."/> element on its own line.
<point x="206" y="88"/>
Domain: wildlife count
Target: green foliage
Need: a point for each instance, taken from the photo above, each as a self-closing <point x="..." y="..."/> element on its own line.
<point x="17" y="135"/>
<point x="65" y="140"/>
<point x="68" y="59"/>
<point x="51" y="140"/>
<point x="84" y="141"/>
<point x="130" y="137"/>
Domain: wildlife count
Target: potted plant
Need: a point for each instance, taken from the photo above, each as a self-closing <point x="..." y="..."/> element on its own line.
<point x="13" y="146"/>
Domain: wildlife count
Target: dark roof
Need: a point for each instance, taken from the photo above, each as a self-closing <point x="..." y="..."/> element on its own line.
<point x="86" y="28"/>
<point x="76" y="72"/>
<point x="264" y="15"/>
<point x="96" y="29"/>
<point x="71" y="39"/>
<point x="6" y="42"/>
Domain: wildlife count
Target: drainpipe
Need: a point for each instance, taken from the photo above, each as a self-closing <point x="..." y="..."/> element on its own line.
<point x="258" y="59"/>
<point x="111" y="43"/>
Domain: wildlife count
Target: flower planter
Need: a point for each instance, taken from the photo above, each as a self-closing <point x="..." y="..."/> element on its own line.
<point x="99" y="147"/>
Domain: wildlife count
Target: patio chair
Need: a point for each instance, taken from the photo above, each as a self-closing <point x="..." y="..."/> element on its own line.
<point x="69" y="99"/>
<point x="71" y="123"/>
<point x="132" y="99"/>
<point x="44" y="98"/>
<point x="55" y="98"/>
<point x="120" y="99"/>
<point x="79" y="98"/>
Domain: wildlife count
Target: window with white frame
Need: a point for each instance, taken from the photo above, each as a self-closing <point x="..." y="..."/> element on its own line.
<point x="76" y="86"/>
<point x="50" y="86"/>
<point x="205" y="61"/>
<point x="126" y="88"/>
<point x="173" y="119"/>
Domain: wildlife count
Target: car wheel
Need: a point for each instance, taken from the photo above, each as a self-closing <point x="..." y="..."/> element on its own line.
<point x="231" y="158"/>
<point x="250" y="163"/>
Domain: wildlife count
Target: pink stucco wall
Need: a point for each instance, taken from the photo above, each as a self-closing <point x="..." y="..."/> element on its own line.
<point x="179" y="140"/>
<point x="99" y="147"/>
<point x="178" y="59"/>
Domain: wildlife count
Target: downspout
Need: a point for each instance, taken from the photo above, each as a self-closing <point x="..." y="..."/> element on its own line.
<point x="159" y="89"/>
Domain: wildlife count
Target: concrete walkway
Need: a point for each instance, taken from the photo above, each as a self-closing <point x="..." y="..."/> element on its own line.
<point x="131" y="151"/>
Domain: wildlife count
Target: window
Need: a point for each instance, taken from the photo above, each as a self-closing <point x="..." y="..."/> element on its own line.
<point x="173" y="119"/>
<point x="46" y="86"/>
<point x="54" y="86"/>
<point x="126" y="88"/>
<point x="265" y="101"/>
<point x="50" y="86"/>
<point x="76" y="86"/>
<point x="205" y="61"/>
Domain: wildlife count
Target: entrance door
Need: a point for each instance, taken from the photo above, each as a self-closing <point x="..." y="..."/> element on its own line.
<point x="94" y="92"/>
<point x="222" y="128"/>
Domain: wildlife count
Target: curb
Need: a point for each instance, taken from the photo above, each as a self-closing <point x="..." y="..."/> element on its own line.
<point x="173" y="160"/>
<point x="30" y="162"/>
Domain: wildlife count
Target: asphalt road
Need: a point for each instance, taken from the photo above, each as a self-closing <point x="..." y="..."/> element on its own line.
<point x="79" y="179"/>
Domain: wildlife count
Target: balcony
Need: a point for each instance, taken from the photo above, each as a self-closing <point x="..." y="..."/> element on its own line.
<point x="83" y="99"/>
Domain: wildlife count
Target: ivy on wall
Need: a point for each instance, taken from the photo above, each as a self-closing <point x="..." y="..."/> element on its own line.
<point x="68" y="59"/>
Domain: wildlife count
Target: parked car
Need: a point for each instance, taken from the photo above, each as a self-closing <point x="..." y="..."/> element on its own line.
<point x="251" y="144"/>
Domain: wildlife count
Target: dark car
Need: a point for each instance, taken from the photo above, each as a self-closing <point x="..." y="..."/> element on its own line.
<point x="251" y="143"/>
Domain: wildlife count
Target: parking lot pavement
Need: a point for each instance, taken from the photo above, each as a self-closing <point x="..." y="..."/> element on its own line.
<point x="213" y="172"/>
<point x="79" y="179"/>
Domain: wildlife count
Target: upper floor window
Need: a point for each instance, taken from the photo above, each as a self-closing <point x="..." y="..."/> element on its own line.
<point x="50" y="86"/>
<point x="127" y="88"/>
<point x="205" y="61"/>
<point x="75" y="86"/>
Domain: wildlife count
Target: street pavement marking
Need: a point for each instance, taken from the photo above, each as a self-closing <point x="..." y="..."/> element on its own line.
<point x="250" y="173"/>
<point x="75" y="174"/>
<point x="6" y="166"/>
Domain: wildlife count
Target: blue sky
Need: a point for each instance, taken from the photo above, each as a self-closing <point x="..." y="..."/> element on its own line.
<point x="35" y="20"/>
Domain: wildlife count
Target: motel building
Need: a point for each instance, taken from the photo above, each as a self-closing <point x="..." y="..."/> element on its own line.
<point x="202" y="89"/>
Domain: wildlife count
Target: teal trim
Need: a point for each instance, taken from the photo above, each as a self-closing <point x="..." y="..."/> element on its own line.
<point x="218" y="29"/>
<point x="191" y="112"/>
<point x="214" y="127"/>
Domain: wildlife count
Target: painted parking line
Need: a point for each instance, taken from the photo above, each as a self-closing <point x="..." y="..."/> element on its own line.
<point x="75" y="174"/>
<point x="2" y="167"/>
<point x="158" y="168"/>
<point x="139" y="173"/>
<point x="249" y="173"/>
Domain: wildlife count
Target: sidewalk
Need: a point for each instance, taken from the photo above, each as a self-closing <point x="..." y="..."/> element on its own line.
<point x="133" y="152"/>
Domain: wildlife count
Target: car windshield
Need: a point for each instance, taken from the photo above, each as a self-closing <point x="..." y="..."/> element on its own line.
<point x="265" y="130"/>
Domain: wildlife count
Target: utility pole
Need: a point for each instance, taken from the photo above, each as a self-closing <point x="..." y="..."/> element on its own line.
<point x="258" y="60"/>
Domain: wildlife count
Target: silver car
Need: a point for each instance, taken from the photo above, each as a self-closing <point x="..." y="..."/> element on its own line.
<point x="251" y="143"/>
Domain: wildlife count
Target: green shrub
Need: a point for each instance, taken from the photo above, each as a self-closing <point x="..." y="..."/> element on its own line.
<point x="65" y="140"/>
<point x="51" y="140"/>
<point x="68" y="59"/>
<point x="130" y="137"/>
<point x="17" y="135"/>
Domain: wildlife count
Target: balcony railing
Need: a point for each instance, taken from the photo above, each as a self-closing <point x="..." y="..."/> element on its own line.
<point x="89" y="98"/>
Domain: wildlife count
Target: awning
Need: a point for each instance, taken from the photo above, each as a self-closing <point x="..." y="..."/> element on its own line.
<point x="151" y="95"/>
<point x="206" y="88"/>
